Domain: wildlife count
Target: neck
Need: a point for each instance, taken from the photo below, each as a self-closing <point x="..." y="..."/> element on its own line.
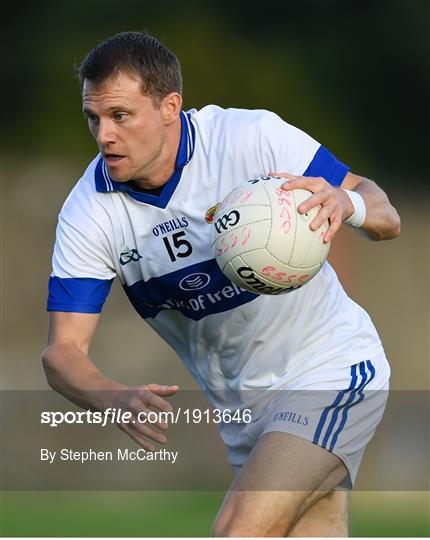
<point x="164" y="166"/>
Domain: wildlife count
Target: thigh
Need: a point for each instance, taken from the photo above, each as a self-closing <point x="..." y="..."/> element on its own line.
<point x="341" y="418"/>
<point x="282" y="478"/>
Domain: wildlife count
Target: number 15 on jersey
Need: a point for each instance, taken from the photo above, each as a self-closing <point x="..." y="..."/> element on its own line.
<point x="177" y="246"/>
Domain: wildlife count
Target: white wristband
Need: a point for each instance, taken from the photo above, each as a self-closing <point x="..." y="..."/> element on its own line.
<point x="356" y="219"/>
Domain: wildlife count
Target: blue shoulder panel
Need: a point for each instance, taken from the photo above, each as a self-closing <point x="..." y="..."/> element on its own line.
<point x="80" y="295"/>
<point x="326" y="165"/>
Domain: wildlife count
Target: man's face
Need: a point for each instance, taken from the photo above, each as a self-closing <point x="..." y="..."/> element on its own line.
<point x="128" y="127"/>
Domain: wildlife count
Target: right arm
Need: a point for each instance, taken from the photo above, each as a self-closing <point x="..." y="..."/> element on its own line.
<point x="83" y="270"/>
<point x="70" y="372"/>
<point x="68" y="368"/>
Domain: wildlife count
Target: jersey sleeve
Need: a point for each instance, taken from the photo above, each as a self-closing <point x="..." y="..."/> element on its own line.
<point x="82" y="268"/>
<point x="285" y="148"/>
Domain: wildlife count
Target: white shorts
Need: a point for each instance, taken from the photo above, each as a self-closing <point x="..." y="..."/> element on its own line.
<point x="340" y="416"/>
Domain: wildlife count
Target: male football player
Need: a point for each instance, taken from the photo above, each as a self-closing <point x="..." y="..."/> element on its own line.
<point x="309" y="364"/>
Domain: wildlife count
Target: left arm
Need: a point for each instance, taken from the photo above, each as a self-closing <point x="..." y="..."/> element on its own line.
<point x="382" y="221"/>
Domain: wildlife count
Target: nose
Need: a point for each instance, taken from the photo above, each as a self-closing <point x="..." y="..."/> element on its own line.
<point x="105" y="132"/>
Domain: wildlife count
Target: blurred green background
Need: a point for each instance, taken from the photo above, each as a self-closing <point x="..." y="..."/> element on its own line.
<point x="185" y="514"/>
<point x="354" y="75"/>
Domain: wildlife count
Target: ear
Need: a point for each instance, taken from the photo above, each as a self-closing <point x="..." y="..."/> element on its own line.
<point x="170" y="107"/>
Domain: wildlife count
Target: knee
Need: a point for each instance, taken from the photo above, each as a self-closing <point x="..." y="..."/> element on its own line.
<point x="218" y="529"/>
<point x="223" y="528"/>
<point x="235" y="528"/>
<point x="234" y="531"/>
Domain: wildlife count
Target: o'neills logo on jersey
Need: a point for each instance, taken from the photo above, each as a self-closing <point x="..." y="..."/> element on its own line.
<point x="209" y="216"/>
<point x="169" y="226"/>
<point x="249" y="277"/>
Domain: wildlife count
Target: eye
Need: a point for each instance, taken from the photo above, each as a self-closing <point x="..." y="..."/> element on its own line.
<point x="92" y="118"/>
<point x="119" y="116"/>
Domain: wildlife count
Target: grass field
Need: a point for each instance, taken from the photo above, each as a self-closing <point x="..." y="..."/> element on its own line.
<point x="182" y="514"/>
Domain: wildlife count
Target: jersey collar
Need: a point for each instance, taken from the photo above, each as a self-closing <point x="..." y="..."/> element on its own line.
<point x="105" y="184"/>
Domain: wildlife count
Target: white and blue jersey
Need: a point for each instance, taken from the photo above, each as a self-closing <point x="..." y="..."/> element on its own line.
<point x="160" y="249"/>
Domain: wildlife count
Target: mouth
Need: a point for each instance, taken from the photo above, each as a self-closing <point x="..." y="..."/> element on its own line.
<point x="112" y="159"/>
